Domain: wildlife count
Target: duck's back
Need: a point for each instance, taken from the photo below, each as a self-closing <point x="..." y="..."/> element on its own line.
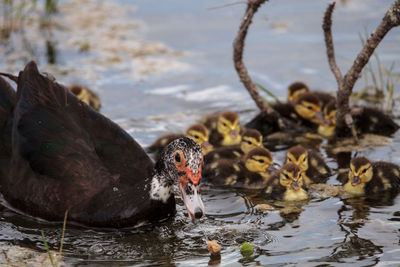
<point x="65" y="155"/>
<point x="7" y="103"/>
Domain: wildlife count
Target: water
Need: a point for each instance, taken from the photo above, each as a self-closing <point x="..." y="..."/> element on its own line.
<point x="190" y="74"/>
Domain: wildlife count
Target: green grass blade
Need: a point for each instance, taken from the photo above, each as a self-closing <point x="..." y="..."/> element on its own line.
<point x="47" y="249"/>
<point x="63" y="231"/>
<point x="268" y="92"/>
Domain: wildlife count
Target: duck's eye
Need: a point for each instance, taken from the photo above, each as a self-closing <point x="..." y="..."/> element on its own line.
<point x="289" y="159"/>
<point x="196" y="136"/>
<point x="304" y="159"/>
<point x="261" y="161"/>
<point x="178" y="157"/>
<point x="365" y="170"/>
<point x="224" y="124"/>
<point x="286" y="176"/>
<point x="249" y="142"/>
<point x="309" y="108"/>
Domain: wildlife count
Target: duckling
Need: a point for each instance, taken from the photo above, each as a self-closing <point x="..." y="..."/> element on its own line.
<point x="252" y="171"/>
<point x="311" y="162"/>
<point x="366" y="177"/>
<point x="287" y="184"/>
<point x="198" y="132"/>
<point x="298" y="88"/>
<point x="305" y="113"/>
<point x="327" y="127"/>
<point x="251" y="138"/>
<point x="224" y="128"/>
<point x="366" y="120"/>
<point x="86" y="95"/>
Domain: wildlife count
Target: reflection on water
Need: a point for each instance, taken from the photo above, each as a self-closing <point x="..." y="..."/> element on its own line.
<point x="321" y="231"/>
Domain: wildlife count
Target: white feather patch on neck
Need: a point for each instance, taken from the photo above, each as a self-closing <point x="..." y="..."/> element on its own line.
<point x="159" y="191"/>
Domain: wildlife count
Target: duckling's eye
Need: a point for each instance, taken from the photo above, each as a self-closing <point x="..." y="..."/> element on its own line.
<point x="224" y="124"/>
<point x="261" y="161"/>
<point x="249" y="142"/>
<point x="196" y="136"/>
<point x="365" y="170"/>
<point x="304" y="159"/>
<point x="309" y="108"/>
<point x="178" y="157"/>
<point x="287" y="176"/>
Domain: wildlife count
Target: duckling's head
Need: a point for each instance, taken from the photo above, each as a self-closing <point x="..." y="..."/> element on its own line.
<point x="360" y="173"/>
<point x="290" y="177"/>
<point x="308" y="106"/>
<point x="295" y="90"/>
<point x="328" y="125"/>
<point x="251" y="138"/>
<point x="86" y="95"/>
<point x="199" y="133"/>
<point x="299" y="156"/>
<point x="258" y="160"/>
<point x="181" y="162"/>
<point x="228" y="126"/>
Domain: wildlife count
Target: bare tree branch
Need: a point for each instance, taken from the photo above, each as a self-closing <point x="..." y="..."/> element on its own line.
<point x="238" y="47"/>
<point x="330" y="51"/>
<point x="343" y="116"/>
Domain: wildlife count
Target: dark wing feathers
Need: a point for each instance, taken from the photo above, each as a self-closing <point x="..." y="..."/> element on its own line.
<point x="64" y="138"/>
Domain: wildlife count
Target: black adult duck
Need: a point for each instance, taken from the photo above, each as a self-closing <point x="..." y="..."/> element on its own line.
<point x="366" y="177"/>
<point x="66" y="156"/>
<point x="8" y="99"/>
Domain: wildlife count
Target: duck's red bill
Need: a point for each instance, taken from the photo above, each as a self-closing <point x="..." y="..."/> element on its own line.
<point x="192" y="200"/>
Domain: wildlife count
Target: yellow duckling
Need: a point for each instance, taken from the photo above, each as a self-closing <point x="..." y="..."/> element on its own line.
<point x="252" y="171"/>
<point x="366" y="177"/>
<point x="287" y="184"/>
<point x="311" y="162"/>
<point x="251" y="138"/>
<point x="298" y="88"/>
<point x="197" y="132"/>
<point x="327" y="127"/>
<point x="224" y="128"/>
<point x="86" y="95"/>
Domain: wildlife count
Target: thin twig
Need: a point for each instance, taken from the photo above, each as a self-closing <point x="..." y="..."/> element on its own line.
<point x="330" y="51"/>
<point x="227" y="5"/>
<point x="238" y="47"/>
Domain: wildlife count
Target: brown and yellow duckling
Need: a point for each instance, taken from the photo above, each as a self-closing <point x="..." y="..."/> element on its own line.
<point x="252" y="171"/>
<point x="311" y="162"/>
<point x="251" y="138"/>
<point x="86" y="95"/>
<point x="198" y="132"/>
<point x="287" y="184"/>
<point x="305" y="112"/>
<point x="366" y="120"/>
<point x="366" y="177"/>
<point x="298" y="88"/>
<point x="224" y="128"/>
